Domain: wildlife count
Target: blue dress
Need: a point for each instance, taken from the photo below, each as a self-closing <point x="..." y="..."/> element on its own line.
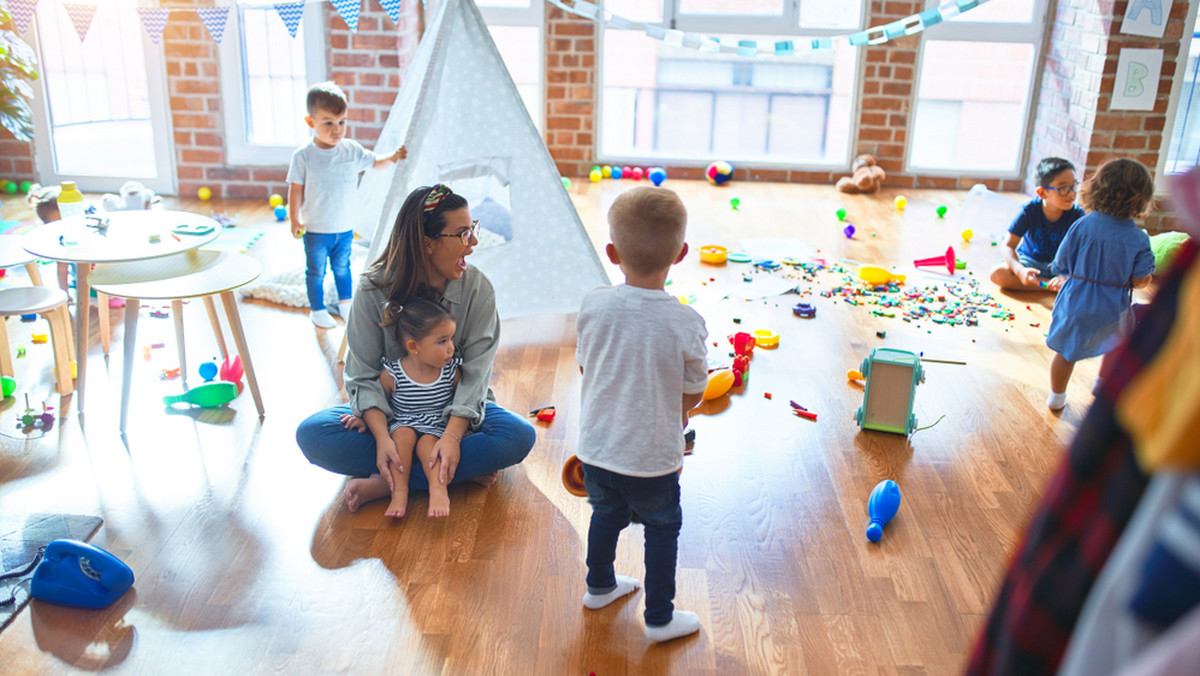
<point x="1092" y="311"/>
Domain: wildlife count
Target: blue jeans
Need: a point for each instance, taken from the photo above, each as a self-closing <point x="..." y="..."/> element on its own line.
<point x="502" y="441"/>
<point x="333" y="247"/>
<point x="656" y="500"/>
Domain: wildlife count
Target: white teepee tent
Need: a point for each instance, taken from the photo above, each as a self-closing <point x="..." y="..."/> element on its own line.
<point x="464" y="124"/>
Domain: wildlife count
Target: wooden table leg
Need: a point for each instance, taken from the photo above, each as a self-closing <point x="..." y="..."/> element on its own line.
<point x="35" y="275"/>
<point x="131" y="319"/>
<point x="82" y="307"/>
<point x="216" y="324"/>
<point x="6" y="363"/>
<point x="341" y="355"/>
<point x="177" y="311"/>
<point x="102" y="311"/>
<point x="239" y="339"/>
<point x="60" y="337"/>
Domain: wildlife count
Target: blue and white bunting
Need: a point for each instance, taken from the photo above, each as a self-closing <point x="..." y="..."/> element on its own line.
<point x="214" y="19"/>
<point x="291" y="13"/>
<point x="154" y="19"/>
<point x="392" y="7"/>
<point x="348" y="10"/>
<point x="22" y="13"/>
<point x="81" y="17"/>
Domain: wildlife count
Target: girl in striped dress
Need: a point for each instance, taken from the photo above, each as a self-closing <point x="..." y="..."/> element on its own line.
<point x="420" y="385"/>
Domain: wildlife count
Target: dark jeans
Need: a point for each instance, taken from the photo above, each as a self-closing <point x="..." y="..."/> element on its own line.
<point x="502" y="441"/>
<point x="656" y="500"/>
<point x="334" y="248"/>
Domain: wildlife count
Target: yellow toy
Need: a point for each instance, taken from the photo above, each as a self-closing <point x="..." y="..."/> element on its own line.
<point x="276" y="200"/>
<point x="204" y="193"/>
<point x="767" y="340"/>
<point x="967" y="235"/>
<point x="718" y="384"/>
<point x="901" y="202"/>
<point x="40" y="338"/>
<point x="713" y="254"/>
<point x="877" y="276"/>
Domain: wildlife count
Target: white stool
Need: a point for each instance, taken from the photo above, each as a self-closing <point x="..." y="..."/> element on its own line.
<point x="51" y="303"/>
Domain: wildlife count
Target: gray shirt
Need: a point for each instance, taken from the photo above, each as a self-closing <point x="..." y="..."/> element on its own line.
<point x="471" y="300"/>
<point x="330" y="178"/>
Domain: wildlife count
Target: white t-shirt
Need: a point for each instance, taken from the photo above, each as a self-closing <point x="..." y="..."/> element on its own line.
<point x="641" y="350"/>
<point x="330" y="178"/>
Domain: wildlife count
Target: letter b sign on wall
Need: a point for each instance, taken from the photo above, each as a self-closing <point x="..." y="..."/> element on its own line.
<point x="1137" y="79"/>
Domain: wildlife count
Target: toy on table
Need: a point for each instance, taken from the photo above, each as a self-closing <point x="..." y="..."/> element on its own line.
<point x="281" y="213"/>
<point x="719" y="172"/>
<point x="8" y="385"/>
<point x="545" y="414"/>
<point x="882" y="506"/>
<point x="657" y="175"/>
<point x="947" y="259"/>
<point x="192" y="229"/>
<point x="208" y="371"/>
<point x="866" y="176"/>
<point x="877" y="276"/>
<point x="206" y="395"/>
<point x="74" y="573"/>
<point x="719" y="383"/>
<point x="892" y="377"/>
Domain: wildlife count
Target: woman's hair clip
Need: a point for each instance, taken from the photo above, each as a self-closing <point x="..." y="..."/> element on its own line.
<point x="435" y="197"/>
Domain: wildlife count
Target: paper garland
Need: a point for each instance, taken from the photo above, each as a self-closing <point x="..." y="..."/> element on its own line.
<point x="81" y="17"/>
<point x="291" y="13"/>
<point x="154" y="19"/>
<point x="348" y="10"/>
<point x="22" y="13"/>
<point x="392" y="7"/>
<point x="214" y="19"/>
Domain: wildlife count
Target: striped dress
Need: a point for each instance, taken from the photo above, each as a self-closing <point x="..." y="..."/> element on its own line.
<point x="420" y="405"/>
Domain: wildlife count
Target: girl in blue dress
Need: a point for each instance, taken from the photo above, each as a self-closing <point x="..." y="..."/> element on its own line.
<point x="1103" y="257"/>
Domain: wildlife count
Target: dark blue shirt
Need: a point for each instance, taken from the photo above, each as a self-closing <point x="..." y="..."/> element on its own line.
<point x="1039" y="235"/>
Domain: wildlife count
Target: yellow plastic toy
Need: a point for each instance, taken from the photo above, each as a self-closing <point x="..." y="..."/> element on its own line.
<point x="718" y="384"/>
<point x="901" y="202"/>
<point x="875" y="275"/>
<point x="276" y="200"/>
<point x="967" y="235"/>
<point x="713" y="254"/>
<point x="767" y="340"/>
<point x="204" y="193"/>
<point x="854" y="374"/>
<point x="40" y="338"/>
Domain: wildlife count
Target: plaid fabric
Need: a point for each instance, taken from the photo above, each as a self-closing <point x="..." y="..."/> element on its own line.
<point x="1086" y="506"/>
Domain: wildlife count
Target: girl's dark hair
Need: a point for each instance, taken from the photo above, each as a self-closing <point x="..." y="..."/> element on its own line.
<point x="1121" y="188"/>
<point x="417" y="319"/>
<point x="44" y="201"/>
<point x="402" y="269"/>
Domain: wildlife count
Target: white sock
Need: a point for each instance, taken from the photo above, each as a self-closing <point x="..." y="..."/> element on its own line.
<point x="322" y="319"/>
<point x="682" y="623"/>
<point x="625" y="585"/>
<point x="344" y="309"/>
<point x="1056" y="401"/>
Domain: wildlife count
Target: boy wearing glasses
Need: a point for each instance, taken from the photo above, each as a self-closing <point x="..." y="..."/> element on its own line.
<point x="321" y="180"/>
<point x="1035" y="234"/>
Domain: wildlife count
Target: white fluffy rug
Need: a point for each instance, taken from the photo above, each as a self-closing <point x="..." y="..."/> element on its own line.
<point x="288" y="287"/>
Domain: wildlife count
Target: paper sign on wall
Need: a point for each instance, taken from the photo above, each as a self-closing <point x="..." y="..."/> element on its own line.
<point x="1146" y="17"/>
<point x="1137" y="79"/>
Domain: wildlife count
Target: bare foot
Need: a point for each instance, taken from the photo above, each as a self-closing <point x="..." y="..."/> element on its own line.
<point x="399" y="504"/>
<point x="487" y="479"/>
<point x="439" y="501"/>
<point x="361" y="491"/>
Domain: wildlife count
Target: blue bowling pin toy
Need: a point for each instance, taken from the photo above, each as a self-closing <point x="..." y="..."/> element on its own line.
<point x="882" y="506"/>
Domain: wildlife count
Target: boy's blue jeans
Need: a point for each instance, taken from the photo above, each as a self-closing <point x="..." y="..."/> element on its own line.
<point x="656" y="500"/>
<point x="333" y="247"/>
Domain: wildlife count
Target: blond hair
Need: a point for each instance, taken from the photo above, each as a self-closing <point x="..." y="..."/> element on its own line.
<point x="647" y="226"/>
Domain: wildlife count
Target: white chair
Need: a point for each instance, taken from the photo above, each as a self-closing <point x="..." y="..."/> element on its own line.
<point x="51" y="303"/>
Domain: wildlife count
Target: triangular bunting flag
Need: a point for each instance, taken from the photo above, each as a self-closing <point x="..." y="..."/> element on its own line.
<point x="348" y="9"/>
<point x="392" y="7"/>
<point x="290" y="12"/>
<point x="154" y="19"/>
<point x="81" y="17"/>
<point x="214" y="20"/>
<point x="22" y="13"/>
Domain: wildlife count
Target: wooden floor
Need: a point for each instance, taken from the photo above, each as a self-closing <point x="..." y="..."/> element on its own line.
<point x="248" y="562"/>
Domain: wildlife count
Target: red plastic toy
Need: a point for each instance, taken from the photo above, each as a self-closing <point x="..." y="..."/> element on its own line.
<point x="947" y="259"/>
<point x="544" y="414"/>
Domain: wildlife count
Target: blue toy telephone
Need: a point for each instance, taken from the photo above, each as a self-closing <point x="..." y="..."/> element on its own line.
<point x="75" y="573"/>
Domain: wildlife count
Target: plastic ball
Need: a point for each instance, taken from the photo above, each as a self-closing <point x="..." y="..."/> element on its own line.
<point x="10" y="187"/>
<point x="901" y="202"/>
<point x="4" y="183"/>
<point x="617" y="173"/>
<point x="208" y="370"/>
<point x="841" y="214"/>
<point x="25" y="186"/>
<point x="848" y="231"/>
<point x="941" y="211"/>
<point x="566" y="183"/>
<point x="627" y="172"/>
<point x="719" y="172"/>
<point x="594" y="168"/>
<point x="606" y="171"/>
<point x="204" y="193"/>
<point x="281" y="213"/>
<point x="8" y="385"/>
<point x="638" y="173"/>
<point x="276" y="200"/>
<point x="657" y="175"/>
<point x="968" y="234"/>
<point x="595" y="176"/>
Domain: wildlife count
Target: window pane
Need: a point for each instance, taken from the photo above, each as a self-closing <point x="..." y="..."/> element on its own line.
<point x="521" y="49"/>
<point x="636" y="10"/>
<point x="1184" y="151"/>
<point x="664" y="102"/>
<point x="830" y="14"/>
<point x="971" y="105"/>
<point x="1006" y="11"/>
<point x="732" y="7"/>
<point x="274" y="79"/>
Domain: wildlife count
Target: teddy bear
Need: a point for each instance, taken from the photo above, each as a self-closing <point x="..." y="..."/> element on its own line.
<point x="867" y="176"/>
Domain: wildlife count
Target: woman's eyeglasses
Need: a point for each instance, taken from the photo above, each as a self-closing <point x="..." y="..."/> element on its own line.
<point x="465" y="235"/>
<point x="1066" y="189"/>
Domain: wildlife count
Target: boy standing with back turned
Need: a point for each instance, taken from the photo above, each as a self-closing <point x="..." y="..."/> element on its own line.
<point x="322" y="180"/>
<point x="644" y="366"/>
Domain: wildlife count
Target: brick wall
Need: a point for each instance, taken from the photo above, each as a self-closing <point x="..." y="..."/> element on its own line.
<point x="367" y="64"/>
<point x="571" y="80"/>
<point x="16" y="158"/>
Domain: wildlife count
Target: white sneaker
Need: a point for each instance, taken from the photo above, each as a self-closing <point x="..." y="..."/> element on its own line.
<point x="682" y="623"/>
<point x="322" y="319"/>
<point x="1056" y="401"/>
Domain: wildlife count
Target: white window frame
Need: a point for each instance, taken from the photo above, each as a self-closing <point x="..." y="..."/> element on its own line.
<point x="532" y="16"/>
<point x="963" y="30"/>
<point x="238" y="151"/>
<point x="1185" y="46"/>
<point x="724" y="24"/>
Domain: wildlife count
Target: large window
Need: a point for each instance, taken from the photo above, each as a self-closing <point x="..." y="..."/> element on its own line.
<point x="1183" y="150"/>
<point x="264" y="75"/>
<point x="663" y="100"/>
<point x="516" y="28"/>
<point x="974" y="89"/>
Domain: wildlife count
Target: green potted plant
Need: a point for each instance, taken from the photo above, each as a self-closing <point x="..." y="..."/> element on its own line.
<point x="17" y="73"/>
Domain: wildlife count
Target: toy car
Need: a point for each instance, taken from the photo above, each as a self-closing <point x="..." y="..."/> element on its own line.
<point x="806" y="310"/>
